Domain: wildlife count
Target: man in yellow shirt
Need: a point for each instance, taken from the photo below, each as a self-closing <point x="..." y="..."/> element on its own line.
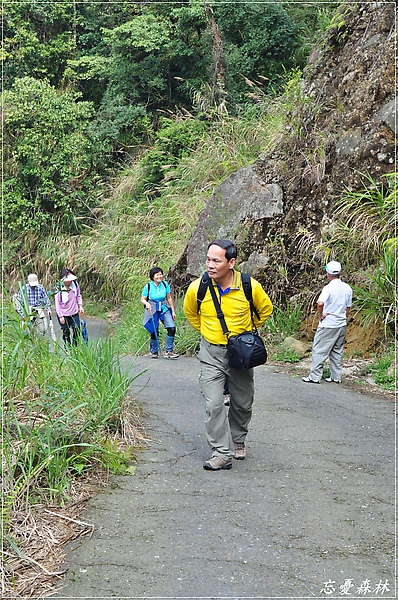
<point x="225" y="431"/>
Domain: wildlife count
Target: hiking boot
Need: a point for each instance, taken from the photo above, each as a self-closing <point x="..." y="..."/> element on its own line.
<point x="154" y="355"/>
<point x="240" y="451"/>
<point x="330" y="380"/>
<point x="308" y="380"/>
<point x="216" y="463"/>
<point x="171" y="354"/>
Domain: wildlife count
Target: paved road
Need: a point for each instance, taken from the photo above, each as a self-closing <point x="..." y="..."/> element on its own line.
<point x="97" y="328"/>
<point x="312" y="504"/>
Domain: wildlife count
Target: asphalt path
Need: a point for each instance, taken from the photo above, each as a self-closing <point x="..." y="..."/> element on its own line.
<point x="96" y="328"/>
<point x="310" y="513"/>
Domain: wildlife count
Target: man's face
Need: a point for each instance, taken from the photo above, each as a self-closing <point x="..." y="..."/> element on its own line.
<point x="217" y="265"/>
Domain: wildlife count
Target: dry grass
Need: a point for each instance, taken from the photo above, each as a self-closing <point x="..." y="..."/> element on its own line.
<point x="32" y="561"/>
<point x="37" y="544"/>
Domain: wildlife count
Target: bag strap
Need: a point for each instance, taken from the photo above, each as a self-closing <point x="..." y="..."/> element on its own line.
<point x="220" y="314"/>
<point x="204" y="284"/>
<point x="247" y="288"/>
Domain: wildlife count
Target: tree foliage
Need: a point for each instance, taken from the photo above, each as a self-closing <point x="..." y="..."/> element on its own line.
<point x="88" y="84"/>
<point x="259" y="41"/>
<point x="50" y="163"/>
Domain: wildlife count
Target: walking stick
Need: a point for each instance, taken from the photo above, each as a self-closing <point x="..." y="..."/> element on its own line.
<point x="52" y="332"/>
<point x="156" y="333"/>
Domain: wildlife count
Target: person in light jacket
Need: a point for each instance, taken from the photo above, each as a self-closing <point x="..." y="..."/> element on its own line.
<point x="35" y="297"/>
<point x="69" y="307"/>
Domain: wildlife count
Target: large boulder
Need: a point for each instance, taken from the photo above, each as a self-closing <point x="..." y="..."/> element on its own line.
<point x="240" y="201"/>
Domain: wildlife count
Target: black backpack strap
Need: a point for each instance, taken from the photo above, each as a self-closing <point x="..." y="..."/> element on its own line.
<point x="204" y="284"/>
<point x="247" y="288"/>
<point x="220" y="314"/>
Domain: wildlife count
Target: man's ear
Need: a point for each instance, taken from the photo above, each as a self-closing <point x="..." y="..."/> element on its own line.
<point x="232" y="263"/>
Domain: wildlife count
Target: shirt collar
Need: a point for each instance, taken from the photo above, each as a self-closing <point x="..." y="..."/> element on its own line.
<point x="236" y="282"/>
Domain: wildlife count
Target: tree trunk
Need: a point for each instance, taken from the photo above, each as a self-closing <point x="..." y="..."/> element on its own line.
<point x="218" y="85"/>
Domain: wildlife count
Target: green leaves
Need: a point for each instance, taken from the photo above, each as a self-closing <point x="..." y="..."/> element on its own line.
<point x="38" y="39"/>
<point x="48" y="157"/>
<point x="376" y="298"/>
<point x="174" y="141"/>
<point x="145" y="33"/>
<point x="259" y="41"/>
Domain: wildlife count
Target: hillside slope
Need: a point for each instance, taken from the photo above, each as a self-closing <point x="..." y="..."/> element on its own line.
<point x="346" y="118"/>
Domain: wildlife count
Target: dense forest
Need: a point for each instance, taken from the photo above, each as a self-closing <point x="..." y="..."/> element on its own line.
<point x="90" y="86"/>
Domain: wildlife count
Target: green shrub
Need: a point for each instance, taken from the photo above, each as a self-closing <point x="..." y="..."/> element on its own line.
<point x="376" y="298"/>
<point x="174" y="141"/>
<point x="51" y="167"/>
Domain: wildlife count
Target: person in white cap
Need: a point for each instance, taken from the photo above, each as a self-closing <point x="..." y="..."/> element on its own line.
<point x="333" y="306"/>
<point x="69" y="307"/>
<point x="35" y="296"/>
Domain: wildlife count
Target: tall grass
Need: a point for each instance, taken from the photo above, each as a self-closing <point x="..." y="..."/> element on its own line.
<point x="59" y="411"/>
<point x="284" y="321"/>
<point x="376" y="299"/>
<point x="363" y="223"/>
<point x="369" y="215"/>
<point x="139" y="226"/>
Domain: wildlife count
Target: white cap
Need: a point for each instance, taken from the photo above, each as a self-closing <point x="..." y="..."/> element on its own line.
<point x="70" y="277"/>
<point x="33" y="280"/>
<point x="333" y="267"/>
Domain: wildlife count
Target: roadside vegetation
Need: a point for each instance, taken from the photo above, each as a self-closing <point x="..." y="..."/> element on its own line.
<point x="67" y="422"/>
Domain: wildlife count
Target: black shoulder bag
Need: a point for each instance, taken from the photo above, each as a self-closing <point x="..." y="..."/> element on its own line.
<point x="245" y="350"/>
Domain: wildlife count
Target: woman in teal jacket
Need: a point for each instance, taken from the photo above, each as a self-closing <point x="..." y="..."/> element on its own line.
<point x="158" y="302"/>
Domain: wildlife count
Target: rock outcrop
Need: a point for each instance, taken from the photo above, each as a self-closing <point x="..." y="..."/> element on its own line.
<point x="240" y="201"/>
<point x="347" y="128"/>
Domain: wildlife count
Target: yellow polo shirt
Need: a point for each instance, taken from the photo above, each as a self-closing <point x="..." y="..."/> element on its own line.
<point x="234" y="305"/>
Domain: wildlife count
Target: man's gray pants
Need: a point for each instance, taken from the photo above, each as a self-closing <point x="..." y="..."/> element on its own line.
<point x="224" y="427"/>
<point x="328" y="342"/>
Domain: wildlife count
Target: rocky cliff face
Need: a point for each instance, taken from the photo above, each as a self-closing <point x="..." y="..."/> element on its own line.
<point x="349" y="127"/>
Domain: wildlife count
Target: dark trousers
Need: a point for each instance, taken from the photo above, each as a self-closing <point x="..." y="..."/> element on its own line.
<point x="71" y="323"/>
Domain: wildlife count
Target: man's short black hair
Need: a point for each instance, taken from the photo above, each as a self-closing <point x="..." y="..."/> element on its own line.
<point x="153" y="272"/>
<point x="231" y="250"/>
